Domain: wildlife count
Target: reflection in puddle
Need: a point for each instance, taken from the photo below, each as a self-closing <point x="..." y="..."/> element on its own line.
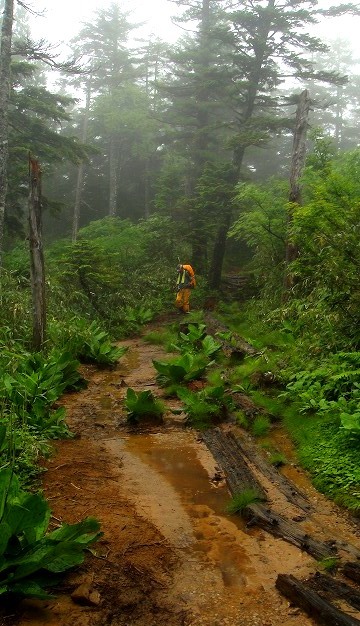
<point x="216" y="536"/>
<point x="176" y="460"/>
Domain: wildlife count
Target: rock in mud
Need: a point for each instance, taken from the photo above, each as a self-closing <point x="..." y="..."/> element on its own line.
<point x="86" y="596"/>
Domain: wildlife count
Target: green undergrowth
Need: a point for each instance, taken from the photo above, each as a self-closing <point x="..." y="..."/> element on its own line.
<point x="260" y="427"/>
<point x="314" y="394"/>
<point x="142" y="406"/>
<point x="31" y="556"/>
<point x="330" y="454"/>
<point x="278" y="459"/>
<point x="206" y="407"/>
<point x="161" y="337"/>
<point x="329" y="564"/>
<point x="269" y="401"/>
<point x="241" y="501"/>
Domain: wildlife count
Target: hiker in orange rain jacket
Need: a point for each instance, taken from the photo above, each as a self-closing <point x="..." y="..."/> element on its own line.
<point x="185" y="282"/>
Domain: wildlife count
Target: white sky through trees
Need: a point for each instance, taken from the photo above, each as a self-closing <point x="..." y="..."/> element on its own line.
<point x="63" y="19"/>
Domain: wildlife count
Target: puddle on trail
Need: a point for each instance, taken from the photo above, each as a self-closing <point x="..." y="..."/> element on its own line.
<point x="175" y="458"/>
<point x="168" y="476"/>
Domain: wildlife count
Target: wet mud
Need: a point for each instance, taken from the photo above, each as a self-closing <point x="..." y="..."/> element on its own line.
<point x="170" y="553"/>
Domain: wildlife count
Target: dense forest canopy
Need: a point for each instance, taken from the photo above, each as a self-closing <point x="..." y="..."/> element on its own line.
<point x="135" y="128"/>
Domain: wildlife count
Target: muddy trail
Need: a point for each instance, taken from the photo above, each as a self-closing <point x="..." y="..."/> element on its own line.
<point x="170" y="554"/>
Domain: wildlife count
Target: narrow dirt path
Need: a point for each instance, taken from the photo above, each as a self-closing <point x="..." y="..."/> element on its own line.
<point x="169" y="554"/>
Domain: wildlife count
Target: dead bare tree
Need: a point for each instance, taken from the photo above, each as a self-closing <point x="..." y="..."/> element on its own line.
<point x="37" y="269"/>
<point x="297" y="165"/>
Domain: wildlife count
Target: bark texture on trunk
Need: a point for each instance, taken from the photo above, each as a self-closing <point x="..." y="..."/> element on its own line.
<point x="37" y="269"/>
<point x="5" y="82"/>
<point x="297" y="165"/>
<point x="219" y="251"/>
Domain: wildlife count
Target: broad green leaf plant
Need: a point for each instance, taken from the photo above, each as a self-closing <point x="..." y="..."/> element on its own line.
<point x="197" y="341"/>
<point x="181" y="369"/>
<point x="31" y="558"/>
<point x="143" y="406"/>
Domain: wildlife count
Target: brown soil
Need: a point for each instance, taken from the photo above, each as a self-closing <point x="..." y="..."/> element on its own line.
<point x="169" y="554"/>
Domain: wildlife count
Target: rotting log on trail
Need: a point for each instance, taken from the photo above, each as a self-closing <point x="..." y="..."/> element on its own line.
<point x="240" y="477"/>
<point x="278" y="526"/>
<point x="352" y="571"/>
<point x="334" y="589"/>
<point x="302" y="596"/>
<point x="251" y="455"/>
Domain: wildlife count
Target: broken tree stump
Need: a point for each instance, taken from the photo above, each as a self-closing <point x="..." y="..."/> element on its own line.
<point x="310" y="601"/>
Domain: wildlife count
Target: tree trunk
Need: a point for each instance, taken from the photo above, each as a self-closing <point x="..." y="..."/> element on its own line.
<point x="147" y="188"/>
<point x="219" y="251"/>
<point x="113" y="183"/>
<point x="297" y="165"/>
<point x="81" y="170"/>
<point x="77" y="205"/>
<point x="37" y="270"/>
<point x="339" y="116"/>
<point x="5" y="60"/>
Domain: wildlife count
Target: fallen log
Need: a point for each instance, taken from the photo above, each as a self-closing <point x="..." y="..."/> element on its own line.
<point x="252" y="456"/>
<point x="334" y="589"/>
<point x="310" y="601"/>
<point x="226" y="453"/>
<point x="283" y="528"/>
<point x="352" y="571"/>
<point x="239" y="478"/>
